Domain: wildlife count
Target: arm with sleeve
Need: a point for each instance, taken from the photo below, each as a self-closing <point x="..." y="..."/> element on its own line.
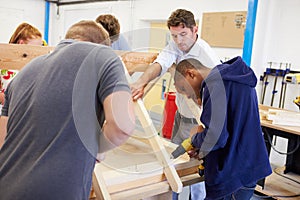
<point x="214" y="135"/>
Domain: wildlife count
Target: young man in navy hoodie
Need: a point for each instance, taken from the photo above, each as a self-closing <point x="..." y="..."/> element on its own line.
<point x="231" y="140"/>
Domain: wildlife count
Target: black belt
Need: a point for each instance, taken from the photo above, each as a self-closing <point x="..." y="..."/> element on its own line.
<point x="188" y="120"/>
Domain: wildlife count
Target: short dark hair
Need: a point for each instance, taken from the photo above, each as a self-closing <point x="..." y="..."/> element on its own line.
<point x="190" y="63"/>
<point x="111" y="24"/>
<point x="181" y="17"/>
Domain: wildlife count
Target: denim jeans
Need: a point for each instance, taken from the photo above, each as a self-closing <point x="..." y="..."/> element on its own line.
<point x="244" y="193"/>
<point x="196" y="192"/>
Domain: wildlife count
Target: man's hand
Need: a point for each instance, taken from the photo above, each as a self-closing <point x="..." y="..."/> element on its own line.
<point x="137" y="90"/>
<point x="194" y="153"/>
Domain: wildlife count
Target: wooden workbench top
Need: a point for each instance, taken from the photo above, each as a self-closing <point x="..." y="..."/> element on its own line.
<point x="285" y="128"/>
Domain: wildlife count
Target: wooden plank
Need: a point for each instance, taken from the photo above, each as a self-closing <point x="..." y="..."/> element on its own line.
<point x="264" y="122"/>
<point x="159" y="150"/>
<point x="152" y="135"/>
<point x="100" y="187"/>
<point x="135" y="163"/>
<point x="15" y="56"/>
<point x="283" y="117"/>
<point x="117" y="182"/>
<point x="143" y="192"/>
<point x="136" y="61"/>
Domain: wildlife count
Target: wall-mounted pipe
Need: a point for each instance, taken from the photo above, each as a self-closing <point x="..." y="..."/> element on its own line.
<point x="47" y="14"/>
<point x="249" y="31"/>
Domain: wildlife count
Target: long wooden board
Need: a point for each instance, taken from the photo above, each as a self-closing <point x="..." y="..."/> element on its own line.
<point x="15" y="56"/>
<point x="136" y="61"/>
<point x="151" y="134"/>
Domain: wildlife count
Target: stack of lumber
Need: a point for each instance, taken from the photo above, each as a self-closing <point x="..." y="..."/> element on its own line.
<point x="280" y="116"/>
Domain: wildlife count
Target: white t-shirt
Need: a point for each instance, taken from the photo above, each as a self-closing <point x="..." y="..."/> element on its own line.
<point x="171" y="54"/>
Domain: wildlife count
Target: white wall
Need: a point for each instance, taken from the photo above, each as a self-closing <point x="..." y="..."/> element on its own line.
<point x="277" y="40"/>
<point x="64" y="16"/>
<point x="145" y="10"/>
<point x="14" y="12"/>
<point x="276" y="33"/>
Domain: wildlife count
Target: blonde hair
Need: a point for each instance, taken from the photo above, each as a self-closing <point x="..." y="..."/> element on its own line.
<point x="25" y="32"/>
<point x="88" y="30"/>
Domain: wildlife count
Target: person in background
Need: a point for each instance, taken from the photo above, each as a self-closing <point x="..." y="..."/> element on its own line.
<point x="231" y="139"/>
<point x="186" y="43"/>
<point x="56" y="107"/>
<point x="112" y="25"/>
<point x="25" y="33"/>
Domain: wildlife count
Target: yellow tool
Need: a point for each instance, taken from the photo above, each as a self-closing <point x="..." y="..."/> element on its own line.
<point x="297" y="101"/>
<point x="185" y="146"/>
<point x="201" y="169"/>
<point x="292" y="78"/>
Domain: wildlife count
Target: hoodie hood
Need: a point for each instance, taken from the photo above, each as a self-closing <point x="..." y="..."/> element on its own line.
<point x="234" y="70"/>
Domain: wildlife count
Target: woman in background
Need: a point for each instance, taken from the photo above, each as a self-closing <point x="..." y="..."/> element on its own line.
<point x="24" y="34"/>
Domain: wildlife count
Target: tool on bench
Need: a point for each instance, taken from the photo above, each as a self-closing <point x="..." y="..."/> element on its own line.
<point x="265" y="82"/>
<point x="297" y="101"/>
<point x="186" y="146"/>
<point x="293" y="78"/>
<point x="283" y="85"/>
<point x="277" y="73"/>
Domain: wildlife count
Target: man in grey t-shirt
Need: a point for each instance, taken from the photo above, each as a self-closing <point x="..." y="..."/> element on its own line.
<point x="56" y="107"/>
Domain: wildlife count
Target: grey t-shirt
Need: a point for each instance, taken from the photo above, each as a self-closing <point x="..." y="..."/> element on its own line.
<point x="45" y="155"/>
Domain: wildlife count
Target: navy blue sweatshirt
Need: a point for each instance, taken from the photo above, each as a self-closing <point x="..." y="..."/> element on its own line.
<point x="232" y="141"/>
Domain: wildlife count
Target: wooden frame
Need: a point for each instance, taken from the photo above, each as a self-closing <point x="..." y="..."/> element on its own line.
<point x="140" y="177"/>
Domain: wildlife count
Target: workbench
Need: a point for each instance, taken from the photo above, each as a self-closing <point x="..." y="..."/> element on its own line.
<point x="276" y="184"/>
